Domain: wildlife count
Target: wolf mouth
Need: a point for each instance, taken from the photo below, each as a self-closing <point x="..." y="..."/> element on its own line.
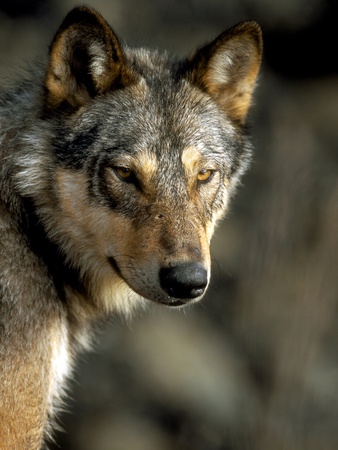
<point x="113" y="263"/>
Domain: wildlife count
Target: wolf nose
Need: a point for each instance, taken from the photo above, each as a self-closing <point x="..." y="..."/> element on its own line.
<point x="186" y="280"/>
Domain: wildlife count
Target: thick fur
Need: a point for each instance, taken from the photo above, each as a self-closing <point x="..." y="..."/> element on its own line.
<point x="116" y="165"/>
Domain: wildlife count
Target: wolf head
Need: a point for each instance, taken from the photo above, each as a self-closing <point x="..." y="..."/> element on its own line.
<point x="139" y="156"/>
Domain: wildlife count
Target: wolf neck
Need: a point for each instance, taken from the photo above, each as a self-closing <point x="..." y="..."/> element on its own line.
<point x="62" y="274"/>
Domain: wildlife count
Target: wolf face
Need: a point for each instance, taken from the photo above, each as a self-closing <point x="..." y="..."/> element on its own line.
<point x="136" y="158"/>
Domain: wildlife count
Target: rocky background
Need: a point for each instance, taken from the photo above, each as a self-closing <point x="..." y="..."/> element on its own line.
<point x="255" y="365"/>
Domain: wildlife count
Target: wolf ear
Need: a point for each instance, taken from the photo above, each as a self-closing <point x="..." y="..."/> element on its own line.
<point x="85" y="60"/>
<point x="227" y="68"/>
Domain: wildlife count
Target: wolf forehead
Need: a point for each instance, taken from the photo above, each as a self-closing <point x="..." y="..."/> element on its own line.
<point x="105" y="100"/>
<point x="160" y="117"/>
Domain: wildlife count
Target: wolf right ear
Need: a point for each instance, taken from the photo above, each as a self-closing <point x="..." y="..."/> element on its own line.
<point x="86" y="59"/>
<point x="227" y="68"/>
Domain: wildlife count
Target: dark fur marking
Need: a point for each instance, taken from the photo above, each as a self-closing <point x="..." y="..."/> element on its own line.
<point x="106" y="194"/>
<point x="73" y="154"/>
<point x="118" y="198"/>
<point x="61" y="274"/>
<point x="81" y="70"/>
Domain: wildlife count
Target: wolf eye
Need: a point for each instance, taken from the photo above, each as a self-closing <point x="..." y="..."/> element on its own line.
<point x="205" y="175"/>
<point x="124" y="173"/>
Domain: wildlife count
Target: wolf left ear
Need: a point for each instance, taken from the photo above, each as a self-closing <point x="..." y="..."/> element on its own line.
<point x="86" y="59"/>
<point x="227" y="68"/>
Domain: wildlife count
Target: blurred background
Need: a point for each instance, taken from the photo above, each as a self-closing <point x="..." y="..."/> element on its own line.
<point x="255" y="365"/>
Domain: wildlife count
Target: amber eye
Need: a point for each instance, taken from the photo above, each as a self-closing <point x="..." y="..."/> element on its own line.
<point x="205" y="175"/>
<point x="124" y="173"/>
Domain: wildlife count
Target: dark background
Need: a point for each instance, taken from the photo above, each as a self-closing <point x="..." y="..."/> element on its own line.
<point x="255" y="365"/>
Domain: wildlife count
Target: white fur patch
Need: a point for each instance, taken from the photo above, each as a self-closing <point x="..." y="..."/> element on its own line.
<point x="98" y="61"/>
<point x="220" y="67"/>
<point x="60" y="364"/>
<point x="122" y="297"/>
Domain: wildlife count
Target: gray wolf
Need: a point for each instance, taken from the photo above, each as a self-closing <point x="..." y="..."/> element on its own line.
<point x="116" y="165"/>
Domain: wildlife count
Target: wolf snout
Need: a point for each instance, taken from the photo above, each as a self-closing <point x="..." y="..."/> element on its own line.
<point x="184" y="280"/>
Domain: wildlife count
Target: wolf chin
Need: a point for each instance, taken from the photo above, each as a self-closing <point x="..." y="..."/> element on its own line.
<point x="116" y="165"/>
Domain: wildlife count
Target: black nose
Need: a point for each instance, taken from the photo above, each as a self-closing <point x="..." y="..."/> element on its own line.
<point x="185" y="280"/>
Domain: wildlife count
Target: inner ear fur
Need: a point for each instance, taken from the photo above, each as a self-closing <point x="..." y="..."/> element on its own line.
<point x="227" y="68"/>
<point x="85" y="59"/>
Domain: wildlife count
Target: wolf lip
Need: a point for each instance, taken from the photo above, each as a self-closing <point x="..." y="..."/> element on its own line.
<point x="176" y="303"/>
<point x="173" y="303"/>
